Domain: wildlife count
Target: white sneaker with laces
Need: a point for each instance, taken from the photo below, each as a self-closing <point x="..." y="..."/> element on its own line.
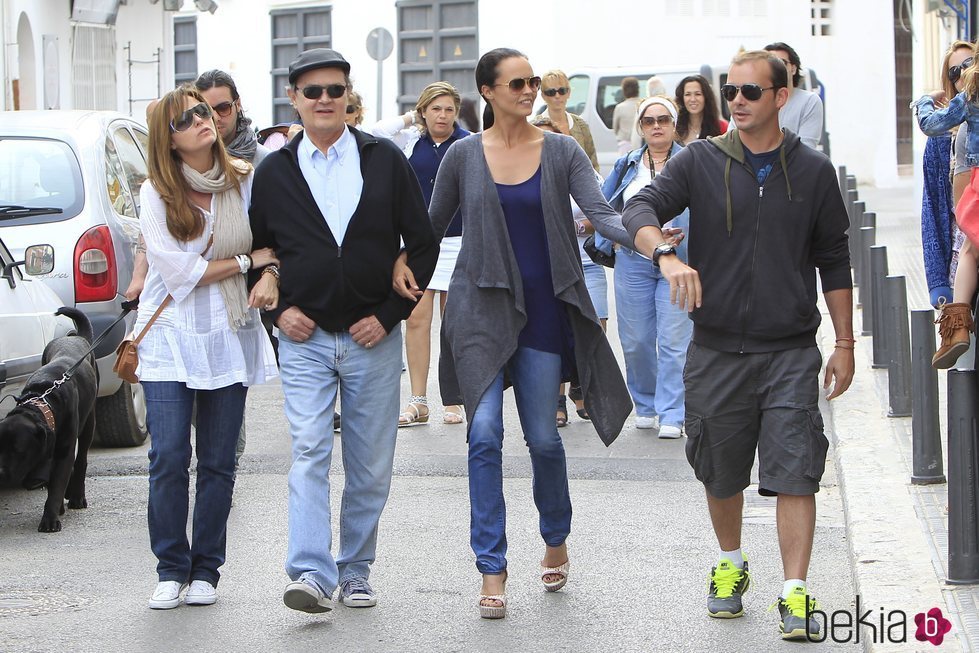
<point x="643" y="422"/>
<point x="201" y="592"/>
<point x="167" y="595"/>
<point x="670" y="432"/>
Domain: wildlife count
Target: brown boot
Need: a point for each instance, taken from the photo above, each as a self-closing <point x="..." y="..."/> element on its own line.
<point x="954" y="325"/>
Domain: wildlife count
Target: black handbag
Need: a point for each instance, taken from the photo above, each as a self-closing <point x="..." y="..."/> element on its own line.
<point x="597" y="255"/>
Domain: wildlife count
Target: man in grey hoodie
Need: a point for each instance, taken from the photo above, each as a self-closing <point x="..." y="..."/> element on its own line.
<point x="765" y="213"/>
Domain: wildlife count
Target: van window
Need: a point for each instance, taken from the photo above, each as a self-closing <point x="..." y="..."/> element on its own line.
<point x="132" y="161"/>
<point x="40" y="172"/>
<point x="115" y="184"/>
<point x="579" y="94"/>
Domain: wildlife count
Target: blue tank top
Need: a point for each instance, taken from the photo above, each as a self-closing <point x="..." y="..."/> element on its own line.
<point x="547" y="328"/>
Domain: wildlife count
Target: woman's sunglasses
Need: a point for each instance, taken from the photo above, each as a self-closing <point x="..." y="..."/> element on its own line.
<point x="223" y="109"/>
<point x="662" y="121"/>
<point x="351" y="109"/>
<point x="955" y="72"/>
<point x="185" y="120"/>
<point x="517" y="85"/>
<point x="315" y="91"/>
<point x="560" y="90"/>
<point x="751" y="92"/>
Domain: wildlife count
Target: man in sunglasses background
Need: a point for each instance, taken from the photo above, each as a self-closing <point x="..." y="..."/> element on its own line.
<point x="765" y="213"/>
<point x="335" y="204"/>
<point x="803" y="111"/>
<point x="220" y="91"/>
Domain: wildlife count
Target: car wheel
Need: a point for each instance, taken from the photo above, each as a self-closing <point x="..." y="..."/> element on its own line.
<point x="120" y="419"/>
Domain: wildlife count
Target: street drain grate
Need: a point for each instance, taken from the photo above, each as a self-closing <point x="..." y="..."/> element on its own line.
<point x="20" y="602"/>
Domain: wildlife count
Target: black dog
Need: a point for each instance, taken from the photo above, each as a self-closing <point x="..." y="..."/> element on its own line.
<point x="38" y="437"/>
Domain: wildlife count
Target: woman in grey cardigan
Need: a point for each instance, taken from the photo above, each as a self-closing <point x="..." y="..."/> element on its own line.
<point x="519" y="311"/>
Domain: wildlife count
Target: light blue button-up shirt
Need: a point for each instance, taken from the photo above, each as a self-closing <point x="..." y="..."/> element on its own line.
<point x="334" y="179"/>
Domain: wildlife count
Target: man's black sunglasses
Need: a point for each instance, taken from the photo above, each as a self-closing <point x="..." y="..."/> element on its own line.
<point x="223" y="109"/>
<point x="315" y="91"/>
<point x="751" y="92"/>
<point x="955" y="72"/>
<point x="185" y="120"/>
<point x="560" y="90"/>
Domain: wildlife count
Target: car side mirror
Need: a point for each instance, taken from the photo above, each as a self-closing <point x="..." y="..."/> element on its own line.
<point x="39" y="260"/>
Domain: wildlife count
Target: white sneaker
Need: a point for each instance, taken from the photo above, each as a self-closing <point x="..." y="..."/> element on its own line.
<point x="201" y="592"/>
<point x="643" y="422"/>
<point x="167" y="595"/>
<point x="670" y="432"/>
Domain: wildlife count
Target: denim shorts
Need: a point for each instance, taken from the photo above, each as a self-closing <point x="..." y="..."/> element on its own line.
<point x="739" y="403"/>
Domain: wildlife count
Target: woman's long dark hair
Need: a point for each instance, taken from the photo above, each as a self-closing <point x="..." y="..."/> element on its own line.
<point x="486" y="74"/>
<point x="709" y="124"/>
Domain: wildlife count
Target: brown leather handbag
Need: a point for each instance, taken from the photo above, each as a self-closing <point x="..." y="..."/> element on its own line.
<point x="127" y="353"/>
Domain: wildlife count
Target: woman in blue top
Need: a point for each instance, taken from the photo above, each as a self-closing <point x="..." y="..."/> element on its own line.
<point x="425" y="135"/>
<point x="519" y="310"/>
<point x="654" y="332"/>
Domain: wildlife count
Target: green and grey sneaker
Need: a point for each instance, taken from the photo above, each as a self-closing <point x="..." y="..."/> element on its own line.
<point x="725" y="587"/>
<point x="793" y="612"/>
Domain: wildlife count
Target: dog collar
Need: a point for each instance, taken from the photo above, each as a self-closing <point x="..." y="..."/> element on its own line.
<point x="45" y="409"/>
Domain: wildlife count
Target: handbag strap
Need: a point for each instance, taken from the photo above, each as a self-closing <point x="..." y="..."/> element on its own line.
<point x="166" y="302"/>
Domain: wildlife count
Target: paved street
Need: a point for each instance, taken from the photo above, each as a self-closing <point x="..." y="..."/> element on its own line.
<point x="641" y="546"/>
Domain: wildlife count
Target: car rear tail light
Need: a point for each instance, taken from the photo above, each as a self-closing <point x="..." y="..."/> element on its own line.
<point x="95" y="266"/>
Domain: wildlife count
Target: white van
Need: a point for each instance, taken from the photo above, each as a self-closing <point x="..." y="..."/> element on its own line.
<point x="596" y="91"/>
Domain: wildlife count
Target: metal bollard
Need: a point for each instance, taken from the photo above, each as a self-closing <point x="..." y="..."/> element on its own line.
<point x="859" y="209"/>
<point x="926" y="432"/>
<point x="898" y="346"/>
<point x="878" y="270"/>
<point x="963" y="525"/>
<point x="841" y="177"/>
<point x="851" y="182"/>
<point x="866" y="303"/>
<point x="851" y="210"/>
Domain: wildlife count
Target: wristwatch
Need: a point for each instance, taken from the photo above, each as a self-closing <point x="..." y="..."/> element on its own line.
<point x="661" y="250"/>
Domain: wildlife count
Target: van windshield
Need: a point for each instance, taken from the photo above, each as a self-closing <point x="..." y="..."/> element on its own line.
<point x="40" y="172"/>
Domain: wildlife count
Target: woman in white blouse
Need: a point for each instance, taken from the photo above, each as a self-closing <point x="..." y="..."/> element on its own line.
<point x="208" y="342"/>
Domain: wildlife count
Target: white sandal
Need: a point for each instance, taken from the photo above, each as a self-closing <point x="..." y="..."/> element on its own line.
<point x="492" y="611"/>
<point x="560" y="570"/>
<point x="412" y="415"/>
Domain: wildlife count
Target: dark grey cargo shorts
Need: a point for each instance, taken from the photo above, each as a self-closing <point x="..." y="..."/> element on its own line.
<point x="739" y="403"/>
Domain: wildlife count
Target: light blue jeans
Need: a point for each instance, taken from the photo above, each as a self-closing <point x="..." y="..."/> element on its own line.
<point x="368" y="381"/>
<point x="534" y="375"/>
<point x="654" y="334"/>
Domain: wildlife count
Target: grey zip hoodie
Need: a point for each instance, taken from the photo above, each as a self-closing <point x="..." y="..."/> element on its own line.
<point x="755" y="247"/>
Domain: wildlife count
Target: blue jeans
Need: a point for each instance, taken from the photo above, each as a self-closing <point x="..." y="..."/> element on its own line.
<point x="369" y="383"/>
<point x="534" y="375"/>
<point x="654" y="334"/>
<point x="219" y="415"/>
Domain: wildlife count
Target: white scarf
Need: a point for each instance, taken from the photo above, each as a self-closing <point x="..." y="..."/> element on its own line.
<point x="232" y="234"/>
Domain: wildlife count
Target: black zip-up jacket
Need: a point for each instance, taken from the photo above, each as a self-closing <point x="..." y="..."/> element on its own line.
<point x="337" y="286"/>
<point x="756" y="248"/>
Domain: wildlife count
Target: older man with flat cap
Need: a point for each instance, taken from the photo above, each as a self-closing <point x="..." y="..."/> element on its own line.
<point x="335" y="204"/>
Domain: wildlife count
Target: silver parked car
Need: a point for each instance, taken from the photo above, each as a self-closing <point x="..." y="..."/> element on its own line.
<point x="71" y="179"/>
<point x="27" y="319"/>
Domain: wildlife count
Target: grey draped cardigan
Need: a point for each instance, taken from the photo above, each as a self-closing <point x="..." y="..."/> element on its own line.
<point x="485" y="312"/>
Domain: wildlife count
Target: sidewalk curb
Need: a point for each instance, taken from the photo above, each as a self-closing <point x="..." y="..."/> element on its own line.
<point x="891" y="558"/>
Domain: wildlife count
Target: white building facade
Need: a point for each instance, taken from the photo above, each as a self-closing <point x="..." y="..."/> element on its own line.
<point x="867" y="65"/>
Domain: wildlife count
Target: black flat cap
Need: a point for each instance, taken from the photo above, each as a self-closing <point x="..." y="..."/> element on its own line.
<point x="317" y="58"/>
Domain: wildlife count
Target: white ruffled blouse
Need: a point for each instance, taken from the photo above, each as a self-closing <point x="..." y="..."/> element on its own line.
<point x="191" y="341"/>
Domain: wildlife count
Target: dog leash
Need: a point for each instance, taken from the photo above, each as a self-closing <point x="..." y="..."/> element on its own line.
<point x="127" y="308"/>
